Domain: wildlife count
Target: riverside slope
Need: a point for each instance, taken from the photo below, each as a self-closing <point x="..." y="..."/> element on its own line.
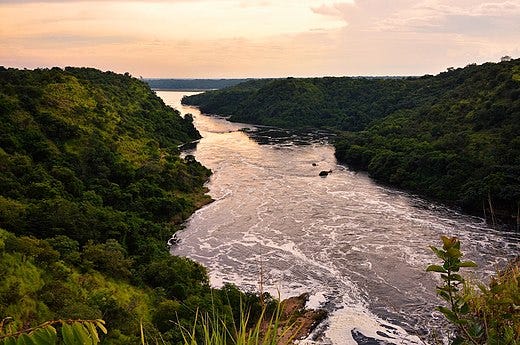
<point x="92" y="185"/>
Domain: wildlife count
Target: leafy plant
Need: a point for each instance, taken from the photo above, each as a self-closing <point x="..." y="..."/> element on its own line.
<point x="483" y="315"/>
<point x="451" y="291"/>
<point x="497" y="306"/>
<point x="71" y="332"/>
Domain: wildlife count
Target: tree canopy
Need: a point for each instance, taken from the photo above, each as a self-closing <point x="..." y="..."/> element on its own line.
<point x="91" y="187"/>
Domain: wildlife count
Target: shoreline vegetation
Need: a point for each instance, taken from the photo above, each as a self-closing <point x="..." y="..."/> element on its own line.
<point x="160" y="84"/>
<point x="91" y="188"/>
<point x="452" y="137"/>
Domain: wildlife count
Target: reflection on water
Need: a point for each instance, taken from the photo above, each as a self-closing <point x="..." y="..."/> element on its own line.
<point x="360" y="249"/>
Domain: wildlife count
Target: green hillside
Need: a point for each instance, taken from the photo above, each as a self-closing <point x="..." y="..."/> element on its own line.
<point x="191" y="84"/>
<point x="453" y="137"/>
<point x="91" y="188"/>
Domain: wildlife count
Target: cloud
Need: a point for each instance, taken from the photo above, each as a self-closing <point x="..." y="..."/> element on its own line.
<point x="402" y="36"/>
<point x="465" y="17"/>
<point x="334" y="10"/>
<point x="67" y="40"/>
<point x="224" y="38"/>
<point x="487" y="19"/>
<point x="498" y="8"/>
<point x="69" y="1"/>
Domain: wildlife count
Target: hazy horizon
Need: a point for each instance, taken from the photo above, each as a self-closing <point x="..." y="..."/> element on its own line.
<point x="231" y="39"/>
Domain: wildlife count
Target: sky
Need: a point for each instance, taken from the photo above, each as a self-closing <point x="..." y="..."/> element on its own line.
<point x="258" y="38"/>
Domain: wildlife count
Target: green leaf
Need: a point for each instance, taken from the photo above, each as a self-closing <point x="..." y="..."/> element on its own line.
<point x="454" y="253"/>
<point x="436" y="268"/>
<point x="468" y="264"/>
<point x="444" y="295"/>
<point x="509" y="334"/>
<point x="464" y="309"/>
<point x="440" y="253"/>
<point x="450" y="315"/>
<point x="45" y="336"/>
<point x="81" y="334"/>
<point x="68" y="334"/>
<point x="458" y="341"/>
<point x="457" y="277"/>
<point x="24" y="339"/>
<point x="9" y="341"/>
<point x="100" y="324"/>
<point x="93" y="332"/>
<point x="447" y="241"/>
<point x="456" y="244"/>
<point x="475" y="330"/>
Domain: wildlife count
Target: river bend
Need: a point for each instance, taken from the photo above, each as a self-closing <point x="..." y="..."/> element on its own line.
<point x="360" y="249"/>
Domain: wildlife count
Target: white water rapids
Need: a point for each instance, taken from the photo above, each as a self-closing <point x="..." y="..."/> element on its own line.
<point x="360" y="249"/>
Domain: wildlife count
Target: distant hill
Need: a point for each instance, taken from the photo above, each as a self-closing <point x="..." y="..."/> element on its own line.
<point x="339" y="103"/>
<point x="192" y="84"/>
<point x="454" y="137"/>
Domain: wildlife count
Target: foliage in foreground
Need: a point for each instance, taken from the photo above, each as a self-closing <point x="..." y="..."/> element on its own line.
<point x="71" y="332"/>
<point x="209" y="329"/>
<point x="267" y="329"/>
<point x="481" y="314"/>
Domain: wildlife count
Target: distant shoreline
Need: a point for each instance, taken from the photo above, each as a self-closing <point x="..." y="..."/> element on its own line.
<point x="191" y="84"/>
<point x="182" y="90"/>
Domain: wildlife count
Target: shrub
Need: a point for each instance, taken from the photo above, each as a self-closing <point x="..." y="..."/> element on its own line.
<point x="482" y="315"/>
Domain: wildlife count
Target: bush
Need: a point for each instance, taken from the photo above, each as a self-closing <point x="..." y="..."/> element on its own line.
<point x="482" y="315"/>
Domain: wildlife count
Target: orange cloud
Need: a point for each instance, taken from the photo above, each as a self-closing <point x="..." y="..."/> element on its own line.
<point x="259" y="38"/>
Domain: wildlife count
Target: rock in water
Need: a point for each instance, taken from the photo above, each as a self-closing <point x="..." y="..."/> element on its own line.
<point x="324" y="173"/>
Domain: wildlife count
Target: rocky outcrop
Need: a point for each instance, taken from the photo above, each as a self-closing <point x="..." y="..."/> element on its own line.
<point x="297" y="322"/>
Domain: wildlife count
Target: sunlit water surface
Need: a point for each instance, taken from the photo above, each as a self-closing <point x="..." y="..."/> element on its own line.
<point x="360" y="249"/>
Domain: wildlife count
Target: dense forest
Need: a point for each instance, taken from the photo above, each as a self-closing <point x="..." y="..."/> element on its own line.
<point x="453" y="137"/>
<point x="192" y="84"/>
<point x="91" y="188"/>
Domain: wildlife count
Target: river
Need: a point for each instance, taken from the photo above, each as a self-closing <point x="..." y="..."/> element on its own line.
<point x="360" y="249"/>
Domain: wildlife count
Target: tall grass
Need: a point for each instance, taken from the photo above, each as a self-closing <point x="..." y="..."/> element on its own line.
<point x="211" y="329"/>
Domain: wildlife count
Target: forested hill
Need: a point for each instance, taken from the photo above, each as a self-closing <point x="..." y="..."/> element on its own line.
<point x="192" y="84"/>
<point x="453" y="136"/>
<point x="340" y="103"/>
<point x="91" y="188"/>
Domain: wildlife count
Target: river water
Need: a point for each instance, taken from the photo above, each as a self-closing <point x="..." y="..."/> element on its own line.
<point x="360" y="249"/>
